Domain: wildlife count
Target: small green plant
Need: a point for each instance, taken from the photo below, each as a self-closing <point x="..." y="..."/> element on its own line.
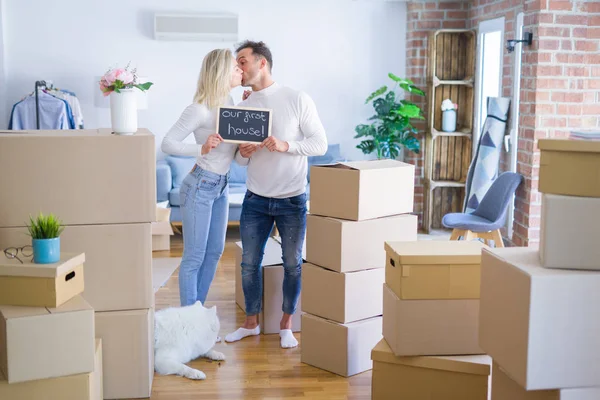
<point x="44" y="227"/>
<point x="392" y="128"/>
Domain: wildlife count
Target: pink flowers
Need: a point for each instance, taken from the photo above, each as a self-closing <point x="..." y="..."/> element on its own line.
<point x="121" y="78"/>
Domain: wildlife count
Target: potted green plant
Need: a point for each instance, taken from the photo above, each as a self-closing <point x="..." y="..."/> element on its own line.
<point x="391" y="129"/>
<point x="45" y="233"/>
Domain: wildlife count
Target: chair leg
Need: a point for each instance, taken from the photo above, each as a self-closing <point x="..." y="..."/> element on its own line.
<point x="456" y="234"/>
<point x="497" y="237"/>
<point x="470" y="235"/>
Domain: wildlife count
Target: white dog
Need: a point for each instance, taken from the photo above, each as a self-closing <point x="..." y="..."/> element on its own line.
<point x="183" y="334"/>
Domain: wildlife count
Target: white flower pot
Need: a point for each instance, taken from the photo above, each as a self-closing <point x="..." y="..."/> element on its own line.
<point x="123" y="112"/>
<point x="449" y="120"/>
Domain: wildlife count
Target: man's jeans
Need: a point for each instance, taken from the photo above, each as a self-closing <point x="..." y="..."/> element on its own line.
<point x="205" y="210"/>
<point x="256" y="222"/>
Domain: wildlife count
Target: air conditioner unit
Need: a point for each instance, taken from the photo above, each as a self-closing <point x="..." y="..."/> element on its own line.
<point x="196" y="27"/>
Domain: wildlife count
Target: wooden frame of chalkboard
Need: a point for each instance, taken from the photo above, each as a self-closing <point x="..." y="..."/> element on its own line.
<point x="251" y="124"/>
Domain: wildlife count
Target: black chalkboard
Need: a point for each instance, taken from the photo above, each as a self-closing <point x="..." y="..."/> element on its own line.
<point x="244" y="124"/>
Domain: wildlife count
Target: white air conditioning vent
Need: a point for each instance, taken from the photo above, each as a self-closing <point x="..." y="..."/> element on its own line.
<point x="196" y="27"/>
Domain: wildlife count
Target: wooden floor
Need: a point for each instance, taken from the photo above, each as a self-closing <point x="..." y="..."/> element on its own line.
<point x="256" y="367"/>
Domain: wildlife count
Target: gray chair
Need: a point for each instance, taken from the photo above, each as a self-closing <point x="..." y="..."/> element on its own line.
<point x="485" y="222"/>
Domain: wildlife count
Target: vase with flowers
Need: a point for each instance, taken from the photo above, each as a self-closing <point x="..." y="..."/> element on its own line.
<point x="120" y="84"/>
<point x="449" y="115"/>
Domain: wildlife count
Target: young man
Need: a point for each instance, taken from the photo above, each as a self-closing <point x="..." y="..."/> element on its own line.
<point x="276" y="184"/>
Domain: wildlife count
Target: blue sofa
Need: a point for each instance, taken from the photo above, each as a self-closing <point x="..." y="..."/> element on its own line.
<point x="171" y="171"/>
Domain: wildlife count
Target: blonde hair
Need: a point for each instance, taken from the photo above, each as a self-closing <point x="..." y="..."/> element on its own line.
<point x="214" y="82"/>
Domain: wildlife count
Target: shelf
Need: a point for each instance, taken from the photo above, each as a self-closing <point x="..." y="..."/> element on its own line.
<point x="436" y="184"/>
<point x="467" y="82"/>
<point x="462" y="133"/>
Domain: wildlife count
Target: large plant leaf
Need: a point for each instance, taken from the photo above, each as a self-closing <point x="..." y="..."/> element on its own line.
<point x="382" y="107"/>
<point x="376" y="93"/>
<point x="409" y="111"/>
<point x="400" y="80"/>
<point x="367" y="146"/>
<point x="364" y="130"/>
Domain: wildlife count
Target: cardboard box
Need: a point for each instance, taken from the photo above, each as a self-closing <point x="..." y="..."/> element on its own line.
<point x="344" y="349"/>
<point x="434" y="269"/>
<point x="429" y="378"/>
<point x="569" y="233"/>
<point x="570" y="167"/>
<point x="128" y="341"/>
<point x="533" y="317"/>
<point x="161" y="235"/>
<point x="430" y="327"/>
<point x="504" y="388"/>
<point x="118" y="262"/>
<point x="342" y="297"/>
<point x="345" y="246"/>
<point x="39" y="343"/>
<point x="72" y="387"/>
<point x="163" y="214"/>
<point x="270" y="315"/>
<point x="370" y="189"/>
<point x="89" y="176"/>
<point x="41" y="285"/>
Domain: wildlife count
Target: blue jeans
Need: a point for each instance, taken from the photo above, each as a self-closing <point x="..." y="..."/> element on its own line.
<point x="256" y="222"/>
<point x="205" y="209"/>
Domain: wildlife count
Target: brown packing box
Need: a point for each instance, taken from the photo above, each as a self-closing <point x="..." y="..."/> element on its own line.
<point x="128" y="342"/>
<point x="504" y="388"/>
<point x="89" y="176"/>
<point x="430" y="327"/>
<point x="342" y="297"/>
<point x="370" y="189"/>
<point x="41" y="285"/>
<point x="270" y="315"/>
<point x="161" y="235"/>
<point x="39" y="343"/>
<point x="570" y="167"/>
<point x="533" y="317"/>
<point x="343" y="349"/>
<point x="73" y="387"/>
<point x="428" y="378"/>
<point x="118" y="262"/>
<point x="345" y="246"/>
<point x="434" y="269"/>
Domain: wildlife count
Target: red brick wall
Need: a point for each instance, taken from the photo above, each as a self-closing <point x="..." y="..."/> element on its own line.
<point x="560" y="81"/>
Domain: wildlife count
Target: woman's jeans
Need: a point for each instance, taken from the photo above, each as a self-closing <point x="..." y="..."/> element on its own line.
<point x="256" y="222"/>
<point x="205" y="210"/>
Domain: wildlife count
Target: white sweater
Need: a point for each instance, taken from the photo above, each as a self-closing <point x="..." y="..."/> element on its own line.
<point x="197" y="118"/>
<point x="296" y="121"/>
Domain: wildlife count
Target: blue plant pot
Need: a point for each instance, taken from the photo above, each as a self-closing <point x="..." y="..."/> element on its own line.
<point x="46" y="251"/>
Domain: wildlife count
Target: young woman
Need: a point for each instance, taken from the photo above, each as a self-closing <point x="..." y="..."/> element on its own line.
<point x="204" y="191"/>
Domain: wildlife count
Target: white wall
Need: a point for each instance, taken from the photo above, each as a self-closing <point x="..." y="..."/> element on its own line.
<point x="338" y="51"/>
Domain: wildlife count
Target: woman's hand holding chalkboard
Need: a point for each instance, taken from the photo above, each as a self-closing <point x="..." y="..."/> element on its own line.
<point x="247" y="149"/>
<point x="274" y="144"/>
<point x="212" y="141"/>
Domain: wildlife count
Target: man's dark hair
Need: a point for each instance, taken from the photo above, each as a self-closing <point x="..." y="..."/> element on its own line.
<point x="258" y="48"/>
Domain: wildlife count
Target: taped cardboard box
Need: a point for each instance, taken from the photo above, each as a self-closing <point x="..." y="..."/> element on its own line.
<point x="433" y="269"/>
<point x="342" y="297"/>
<point x="345" y="246"/>
<point x="128" y="342"/>
<point x="533" y="317"/>
<point x="344" y="349"/>
<point x="118" y="262"/>
<point x="89" y="176"/>
<point x="270" y="315"/>
<point x="570" y="167"/>
<point x="161" y="235"/>
<point x="569" y="232"/>
<point x="40" y="343"/>
<point x="504" y="388"/>
<point x="41" y="285"/>
<point x="72" y="387"/>
<point x="429" y="378"/>
<point x="430" y="327"/>
<point x="371" y="189"/>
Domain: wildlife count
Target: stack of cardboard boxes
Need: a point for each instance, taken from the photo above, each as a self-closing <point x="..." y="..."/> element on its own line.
<point x="272" y="270"/>
<point x="539" y="318"/>
<point x="430" y="323"/>
<point x="103" y="187"/>
<point x="355" y="207"/>
<point x="162" y="230"/>
<point x="48" y="348"/>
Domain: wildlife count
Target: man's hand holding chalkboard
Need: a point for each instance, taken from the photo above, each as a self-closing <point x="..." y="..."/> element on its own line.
<point x="274" y="144"/>
<point x="247" y="149"/>
<point x="211" y="142"/>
